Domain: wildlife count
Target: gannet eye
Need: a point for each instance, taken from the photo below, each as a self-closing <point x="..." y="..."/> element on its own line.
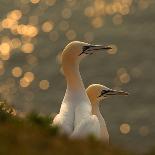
<point x="104" y="92"/>
<point x="84" y="49"/>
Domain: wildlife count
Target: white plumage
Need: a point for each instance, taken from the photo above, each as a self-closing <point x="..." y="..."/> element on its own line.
<point x="76" y="111"/>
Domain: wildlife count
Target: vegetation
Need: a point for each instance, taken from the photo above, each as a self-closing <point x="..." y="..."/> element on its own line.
<point x="34" y="135"/>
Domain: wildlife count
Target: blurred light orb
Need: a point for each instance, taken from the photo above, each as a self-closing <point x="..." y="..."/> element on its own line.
<point x="27" y="47"/>
<point x="8" y="23"/>
<point x="89" y="11"/>
<point x="125" y="10"/>
<point x="125" y="128"/>
<point x="27" y="30"/>
<point x="64" y="25"/>
<point x="47" y="26"/>
<point x="66" y="13"/>
<point x="32" y="31"/>
<point x="71" y="35"/>
<point x="16" y="43"/>
<point x="29" y="76"/>
<point x="44" y="84"/>
<point x="113" y="50"/>
<point x="121" y="71"/>
<point x="97" y="22"/>
<point x="35" y="1"/>
<point x="124" y="78"/>
<point x="109" y="10"/>
<point x="24" y="82"/>
<point x="4" y="49"/>
<point x="15" y="14"/>
<point x="143" y="4"/>
<point x="50" y="2"/>
<point x="32" y="60"/>
<point x="17" y="71"/>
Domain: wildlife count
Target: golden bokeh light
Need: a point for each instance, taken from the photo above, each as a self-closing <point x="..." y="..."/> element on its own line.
<point x="4" y="49"/>
<point x="24" y="82"/>
<point x="66" y="13"/>
<point x="17" y="71"/>
<point x="71" y="35"/>
<point x="29" y="76"/>
<point x="125" y="128"/>
<point x="44" y="84"/>
<point x="89" y="11"/>
<point x="47" y="26"/>
<point x="32" y="60"/>
<point x="16" y="43"/>
<point x="64" y="25"/>
<point x="35" y="1"/>
<point x="124" y="78"/>
<point x="113" y="50"/>
<point x="8" y="23"/>
<point x="27" y="47"/>
<point x="50" y="2"/>
<point x="15" y="14"/>
<point x="97" y="22"/>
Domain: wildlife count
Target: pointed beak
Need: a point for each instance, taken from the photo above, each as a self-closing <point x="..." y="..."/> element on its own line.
<point x="109" y="92"/>
<point x="117" y="92"/>
<point x="99" y="48"/>
<point x="90" y="49"/>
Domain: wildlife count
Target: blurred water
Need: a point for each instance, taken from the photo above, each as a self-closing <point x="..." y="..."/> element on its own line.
<point x="130" y="67"/>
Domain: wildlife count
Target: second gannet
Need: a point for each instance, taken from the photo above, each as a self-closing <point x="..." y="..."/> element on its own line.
<point x="75" y="106"/>
<point x="97" y="127"/>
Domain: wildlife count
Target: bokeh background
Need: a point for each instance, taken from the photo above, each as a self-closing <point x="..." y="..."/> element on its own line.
<point x="33" y="33"/>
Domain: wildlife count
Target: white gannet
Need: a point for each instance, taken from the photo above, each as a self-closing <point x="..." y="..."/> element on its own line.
<point x="96" y="93"/>
<point x="76" y="105"/>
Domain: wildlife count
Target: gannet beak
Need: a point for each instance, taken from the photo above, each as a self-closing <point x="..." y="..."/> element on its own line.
<point x="117" y="92"/>
<point x="90" y="49"/>
<point x="108" y="92"/>
<point x="99" y="48"/>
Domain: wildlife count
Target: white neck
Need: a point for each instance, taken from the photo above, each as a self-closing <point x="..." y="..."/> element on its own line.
<point x="104" y="131"/>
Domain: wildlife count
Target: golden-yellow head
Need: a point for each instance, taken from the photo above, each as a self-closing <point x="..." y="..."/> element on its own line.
<point x="97" y="92"/>
<point x="76" y="50"/>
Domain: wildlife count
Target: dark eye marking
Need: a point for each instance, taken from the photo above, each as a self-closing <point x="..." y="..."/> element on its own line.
<point x="104" y="92"/>
<point x="84" y="49"/>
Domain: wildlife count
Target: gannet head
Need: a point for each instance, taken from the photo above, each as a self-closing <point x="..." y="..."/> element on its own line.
<point x="97" y="92"/>
<point x="76" y="50"/>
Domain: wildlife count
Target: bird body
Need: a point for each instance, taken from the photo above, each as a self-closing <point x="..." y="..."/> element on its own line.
<point x="76" y="107"/>
<point x="96" y="93"/>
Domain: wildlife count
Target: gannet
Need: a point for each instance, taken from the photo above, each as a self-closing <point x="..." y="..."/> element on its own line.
<point x="75" y="106"/>
<point x="97" y="127"/>
<point x="96" y="93"/>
